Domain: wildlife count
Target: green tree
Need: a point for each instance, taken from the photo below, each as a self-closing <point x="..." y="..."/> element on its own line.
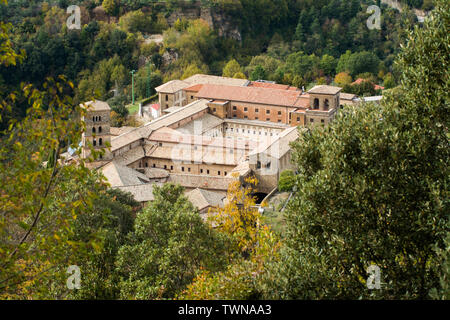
<point x="168" y="247"/>
<point x="36" y="221"/>
<point x="231" y="68"/>
<point x="110" y="219"/>
<point x="111" y="7"/>
<point x="258" y="74"/>
<point x="328" y="64"/>
<point x="373" y="187"/>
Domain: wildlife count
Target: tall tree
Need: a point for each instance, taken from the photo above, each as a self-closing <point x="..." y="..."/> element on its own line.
<point x="373" y="187"/>
<point x="169" y="246"/>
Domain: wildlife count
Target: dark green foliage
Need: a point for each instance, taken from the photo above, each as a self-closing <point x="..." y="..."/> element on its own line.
<point x="110" y="219"/>
<point x="168" y="247"/>
<point x="286" y="181"/>
<point x="373" y="188"/>
<point x="258" y="74"/>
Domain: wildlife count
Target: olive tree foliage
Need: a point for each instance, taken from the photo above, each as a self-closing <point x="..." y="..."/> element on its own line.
<point x="254" y="246"/>
<point x="36" y="219"/>
<point x="169" y="246"/>
<point x="373" y="187"/>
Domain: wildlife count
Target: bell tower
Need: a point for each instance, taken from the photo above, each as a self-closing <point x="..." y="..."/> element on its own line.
<point x="97" y="134"/>
<point x="323" y="104"/>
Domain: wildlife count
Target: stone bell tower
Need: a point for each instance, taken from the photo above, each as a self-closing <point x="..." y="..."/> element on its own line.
<point x="97" y="133"/>
<point x="323" y="104"/>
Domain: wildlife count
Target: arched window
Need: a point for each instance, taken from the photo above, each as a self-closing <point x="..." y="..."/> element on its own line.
<point x="95" y="142"/>
<point x="99" y="118"/>
<point x="100" y="141"/>
<point x="93" y="130"/>
<point x="316" y="103"/>
<point x="93" y="119"/>
<point x="99" y="129"/>
<point x="326" y="104"/>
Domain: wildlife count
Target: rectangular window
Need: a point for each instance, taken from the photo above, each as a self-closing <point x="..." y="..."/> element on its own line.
<point x="256" y="110"/>
<point x="201" y="170"/>
<point x="267" y="111"/>
<point x="167" y="97"/>
<point x="234" y="107"/>
<point x="256" y="118"/>
<point x="279" y="113"/>
<point x="311" y="120"/>
<point x="267" y="119"/>
<point x="189" y="169"/>
<point x="171" y="167"/>
<point x="298" y="119"/>
<point x="182" y="169"/>
<point x="245" y="109"/>
<point x="218" y="173"/>
<point x="207" y="171"/>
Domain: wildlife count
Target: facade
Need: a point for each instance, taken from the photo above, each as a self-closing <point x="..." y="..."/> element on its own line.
<point x="210" y="131"/>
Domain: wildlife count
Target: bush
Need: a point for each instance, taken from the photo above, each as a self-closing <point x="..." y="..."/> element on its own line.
<point x="287" y="181"/>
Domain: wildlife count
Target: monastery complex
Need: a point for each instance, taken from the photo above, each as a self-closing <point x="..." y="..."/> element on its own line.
<point x="208" y="131"/>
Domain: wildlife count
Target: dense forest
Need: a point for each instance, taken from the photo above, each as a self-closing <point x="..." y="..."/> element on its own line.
<point x="297" y="42"/>
<point x="371" y="188"/>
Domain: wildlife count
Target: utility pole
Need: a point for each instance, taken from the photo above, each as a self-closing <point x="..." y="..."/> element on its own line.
<point x="148" y="80"/>
<point x="132" y="84"/>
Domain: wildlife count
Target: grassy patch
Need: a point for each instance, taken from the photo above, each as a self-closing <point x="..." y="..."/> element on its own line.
<point x="133" y="108"/>
<point x="275" y="220"/>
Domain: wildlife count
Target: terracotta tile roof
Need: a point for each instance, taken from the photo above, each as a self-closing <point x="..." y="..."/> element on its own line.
<point x="174" y="136"/>
<point x="203" y="199"/>
<point x="201" y="181"/>
<point x="271" y="85"/>
<point x="119" y="175"/>
<point x="201" y="125"/>
<point x="360" y="80"/>
<point x="323" y="89"/>
<point x="156" y="173"/>
<point x="347" y="96"/>
<point x="302" y="101"/>
<point x="194" y="88"/>
<point x="130" y="156"/>
<point x="116" y="131"/>
<point x="208" y="79"/>
<point x="96" y="105"/>
<point x="164" y="121"/>
<point x="172" y="86"/>
<point x="141" y="193"/>
<point x="249" y="94"/>
<point x="206" y="154"/>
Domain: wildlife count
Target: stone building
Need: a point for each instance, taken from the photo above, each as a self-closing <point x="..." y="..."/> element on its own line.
<point x="211" y="131"/>
<point x="97" y="134"/>
<point x="324" y="101"/>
